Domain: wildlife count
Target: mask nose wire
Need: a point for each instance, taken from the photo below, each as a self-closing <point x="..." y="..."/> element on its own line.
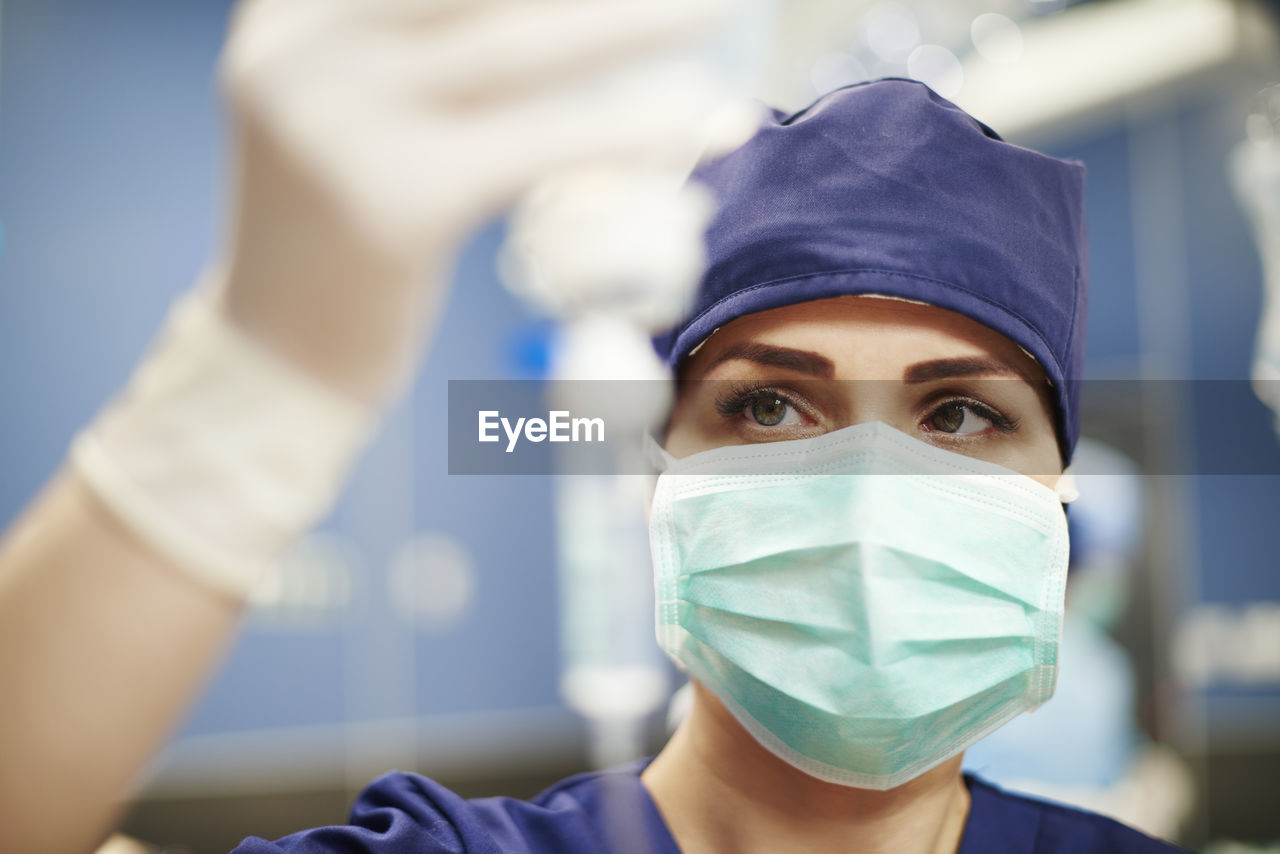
<point x="659" y="460"/>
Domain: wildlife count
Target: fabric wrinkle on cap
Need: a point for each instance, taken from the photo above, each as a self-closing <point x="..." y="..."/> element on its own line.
<point x="887" y="188"/>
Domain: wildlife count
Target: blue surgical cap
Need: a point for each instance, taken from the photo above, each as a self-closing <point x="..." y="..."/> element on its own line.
<point x="887" y="188"/>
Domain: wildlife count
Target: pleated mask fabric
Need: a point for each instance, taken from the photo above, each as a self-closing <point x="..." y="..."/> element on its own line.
<point x="865" y="604"/>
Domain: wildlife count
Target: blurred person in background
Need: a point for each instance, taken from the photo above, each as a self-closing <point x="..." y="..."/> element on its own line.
<point x="892" y="290"/>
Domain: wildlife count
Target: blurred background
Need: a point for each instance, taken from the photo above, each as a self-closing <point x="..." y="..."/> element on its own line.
<point x="418" y="628"/>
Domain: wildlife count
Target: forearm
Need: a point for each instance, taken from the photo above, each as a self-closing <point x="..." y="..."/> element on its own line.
<point x="103" y="645"/>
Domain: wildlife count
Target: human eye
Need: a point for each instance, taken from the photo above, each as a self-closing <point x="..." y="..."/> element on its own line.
<point x="760" y="407"/>
<point x="965" y="417"/>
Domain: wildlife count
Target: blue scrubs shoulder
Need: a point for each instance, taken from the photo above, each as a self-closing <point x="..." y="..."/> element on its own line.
<point x="612" y="812"/>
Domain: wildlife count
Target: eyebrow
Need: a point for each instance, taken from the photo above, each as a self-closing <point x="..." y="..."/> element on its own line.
<point x="946" y="369"/>
<point x="802" y="361"/>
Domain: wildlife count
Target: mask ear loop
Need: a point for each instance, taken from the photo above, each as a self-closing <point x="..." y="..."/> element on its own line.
<point x="656" y="456"/>
<point x="1066" y="488"/>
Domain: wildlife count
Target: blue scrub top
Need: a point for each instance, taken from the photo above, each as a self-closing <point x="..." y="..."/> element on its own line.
<point x="612" y="812"/>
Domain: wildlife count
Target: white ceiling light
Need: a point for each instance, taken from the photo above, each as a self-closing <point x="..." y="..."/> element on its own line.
<point x="891" y="31"/>
<point x="1098" y="55"/>
<point x="997" y="38"/>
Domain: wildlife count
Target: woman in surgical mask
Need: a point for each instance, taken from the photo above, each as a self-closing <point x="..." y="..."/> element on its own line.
<point x="858" y="537"/>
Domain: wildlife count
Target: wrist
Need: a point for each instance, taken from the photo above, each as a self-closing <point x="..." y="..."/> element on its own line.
<point x="218" y="452"/>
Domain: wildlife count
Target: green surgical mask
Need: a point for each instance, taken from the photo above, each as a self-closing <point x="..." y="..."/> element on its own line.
<point x="865" y="604"/>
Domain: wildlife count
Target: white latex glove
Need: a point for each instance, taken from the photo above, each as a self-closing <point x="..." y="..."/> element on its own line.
<point x="371" y="136"/>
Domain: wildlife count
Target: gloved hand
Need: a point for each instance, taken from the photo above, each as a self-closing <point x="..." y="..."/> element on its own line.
<point x="371" y="136"/>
